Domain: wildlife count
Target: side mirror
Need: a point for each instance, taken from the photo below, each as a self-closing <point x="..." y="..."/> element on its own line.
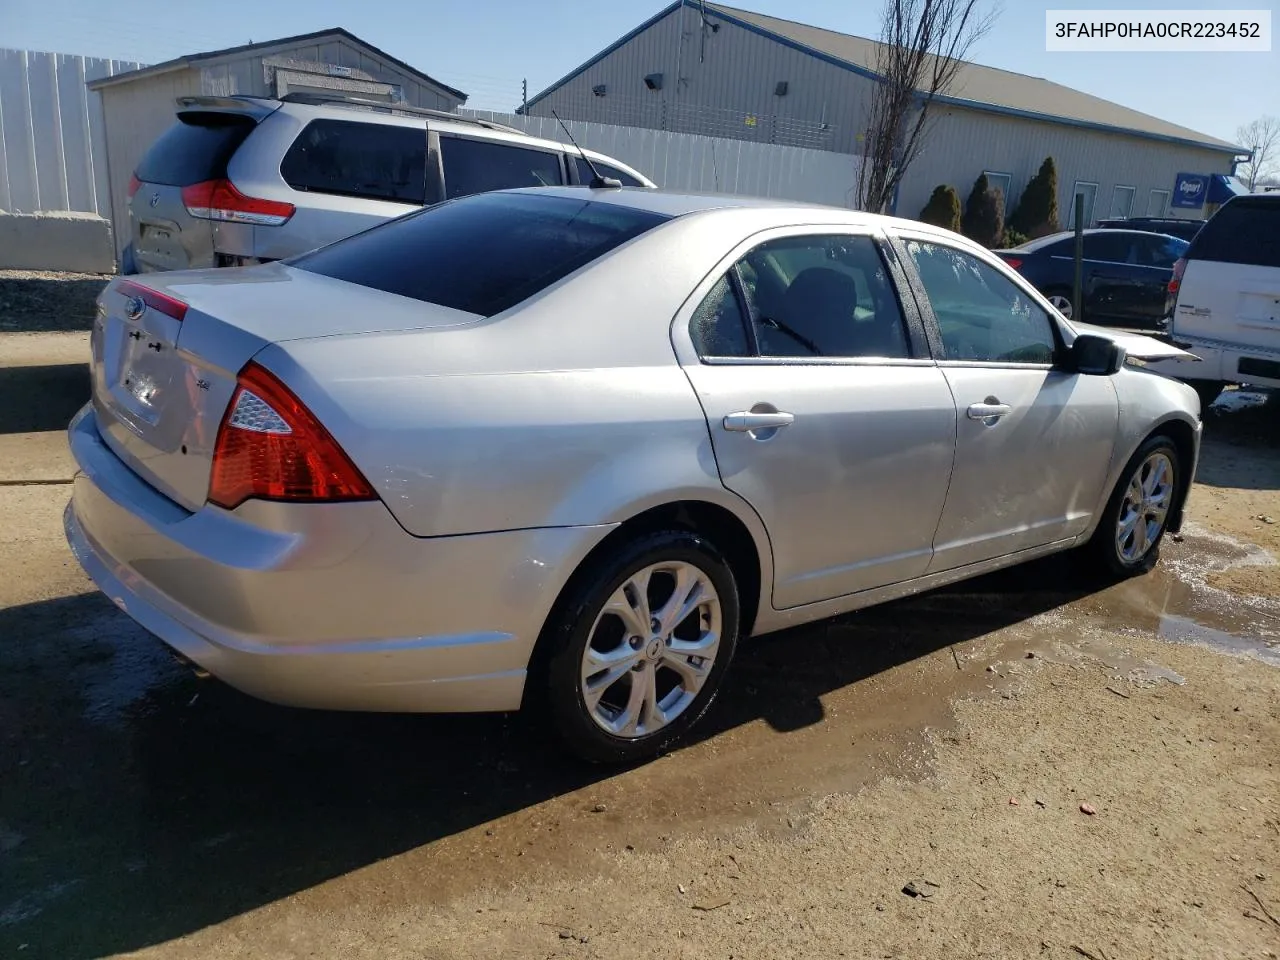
<point x="1096" y="356"/>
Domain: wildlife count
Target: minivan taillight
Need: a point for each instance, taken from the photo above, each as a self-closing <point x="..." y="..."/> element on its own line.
<point x="1179" y="267"/>
<point x="270" y="447"/>
<point x="220" y="200"/>
<point x="169" y="306"/>
<point x="134" y="184"/>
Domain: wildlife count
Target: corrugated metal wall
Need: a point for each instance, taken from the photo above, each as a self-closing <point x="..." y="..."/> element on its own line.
<point x="727" y="87"/>
<point x="685" y="161"/>
<point x="51" y="132"/>
<point x="964" y="143"/>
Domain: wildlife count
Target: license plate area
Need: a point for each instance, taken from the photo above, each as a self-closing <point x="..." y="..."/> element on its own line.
<point x="142" y="370"/>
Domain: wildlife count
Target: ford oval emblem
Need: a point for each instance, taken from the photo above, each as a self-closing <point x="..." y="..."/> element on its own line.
<point x="155" y="198"/>
<point x="135" y="308"/>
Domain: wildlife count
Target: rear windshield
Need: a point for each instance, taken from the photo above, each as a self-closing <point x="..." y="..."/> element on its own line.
<point x="195" y="149"/>
<point x="483" y="253"/>
<point x="1246" y="230"/>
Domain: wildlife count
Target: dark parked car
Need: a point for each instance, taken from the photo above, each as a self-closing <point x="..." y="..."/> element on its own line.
<point x="1125" y="279"/>
<point x="1183" y="229"/>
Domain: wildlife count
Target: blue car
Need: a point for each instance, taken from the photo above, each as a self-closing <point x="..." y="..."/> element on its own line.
<point x="1125" y="279"/>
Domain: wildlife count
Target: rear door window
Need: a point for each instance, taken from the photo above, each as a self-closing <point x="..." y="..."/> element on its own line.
<point x="477" y="166"/>
<point x="1109" y="247"/>
<point x="482" y="254"/>
<point x="606" y="170"/>
<point x="1246" y="230"/>
<point x="373" y="161"/>
<point x="195" y="149"/>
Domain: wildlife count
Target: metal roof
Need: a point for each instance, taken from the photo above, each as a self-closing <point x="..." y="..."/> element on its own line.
<point x="332" y="33"/>
<point x="976" y="86"/>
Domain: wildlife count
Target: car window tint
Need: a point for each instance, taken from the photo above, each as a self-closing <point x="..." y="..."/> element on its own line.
<point x="718" y="328"/>
<point x="823" y="296"/>
<point x="374" y="161"/>
<point x="482" y="254"/>
<point x="1158" y="251"/>
<point x="606" y="170"/>
<point x="195" y="149"/>
<point x="476" y="166"/>
<point x="981" y="314"/>
<point x="1245" y="230"/>
<point x="1112" y="247"/>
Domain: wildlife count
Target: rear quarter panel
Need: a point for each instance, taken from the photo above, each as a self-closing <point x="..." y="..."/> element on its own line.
<point x="568" y="410"/>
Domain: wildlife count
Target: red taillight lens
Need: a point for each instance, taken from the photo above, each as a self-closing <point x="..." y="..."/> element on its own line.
<point x="220" y="200"/>
<point x="1179" y="267"/>
<point x="1013" y="262"/>
<point x="270" y="447"/>
<point x="169" y="306"/>
<point x="134" y="184"/>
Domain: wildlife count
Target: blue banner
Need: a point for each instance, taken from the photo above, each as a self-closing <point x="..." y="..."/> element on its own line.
<point x="1189" y="191"/>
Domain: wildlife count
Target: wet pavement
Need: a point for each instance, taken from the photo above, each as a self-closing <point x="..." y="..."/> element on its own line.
<point x="140" y="803"/>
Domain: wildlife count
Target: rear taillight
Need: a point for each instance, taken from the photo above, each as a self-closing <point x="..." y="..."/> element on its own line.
<point x="220" y="200"/>
<point x="1013" y="262"/>
<point x="134" y="184"/>
<point x="270" y="447"/>
<point x="1179" y="267"/>
<point x="169" y="306"/>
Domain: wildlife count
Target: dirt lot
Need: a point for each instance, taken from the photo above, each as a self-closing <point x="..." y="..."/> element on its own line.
<point x="949" y="743"/>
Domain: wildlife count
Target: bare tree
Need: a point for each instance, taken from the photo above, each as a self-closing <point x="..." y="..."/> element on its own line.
<point x="923" y="45"/>
<point x="1262" y="136"/>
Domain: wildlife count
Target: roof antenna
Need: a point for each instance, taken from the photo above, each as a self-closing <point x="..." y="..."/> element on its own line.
<point x="597" y="182"/>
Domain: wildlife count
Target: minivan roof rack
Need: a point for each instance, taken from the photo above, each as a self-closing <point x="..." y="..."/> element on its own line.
<point x="337" y="99"/>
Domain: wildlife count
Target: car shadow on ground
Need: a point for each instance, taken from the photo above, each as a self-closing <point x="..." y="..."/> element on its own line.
<point x="39" y="398"/>
<point x="141" y="804"/>
<point x="1241" y="441"/>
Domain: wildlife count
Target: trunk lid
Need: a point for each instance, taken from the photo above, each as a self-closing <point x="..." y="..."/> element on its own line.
<point x="161" y="385"/>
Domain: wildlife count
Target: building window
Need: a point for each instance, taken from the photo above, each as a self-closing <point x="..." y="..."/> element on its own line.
<point x="1001" y="182"/>
<point x="1158" y="203"/>
<point x="1122" y="202"/>
<point x="1088" y="190"/>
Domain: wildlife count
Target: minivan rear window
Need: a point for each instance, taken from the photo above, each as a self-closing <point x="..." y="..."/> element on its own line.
<point x="196" y="148"/>
<point x="484" y="253"/>
<point x="1246" y="230"/>
<point x="375" y="161"/>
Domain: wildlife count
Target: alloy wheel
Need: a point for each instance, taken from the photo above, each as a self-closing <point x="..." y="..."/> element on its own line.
<point x="1144" y="507"/>
<point x="651" y="649"/>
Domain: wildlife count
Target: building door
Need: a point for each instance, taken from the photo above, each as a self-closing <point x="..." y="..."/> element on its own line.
<point x="1090" y="193"/>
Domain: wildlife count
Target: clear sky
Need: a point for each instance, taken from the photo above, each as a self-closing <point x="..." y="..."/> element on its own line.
<point x="486" y="47"/>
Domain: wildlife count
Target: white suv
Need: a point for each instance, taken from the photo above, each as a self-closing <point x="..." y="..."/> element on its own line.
<point x="1228" y="298"/>
<point x="243" y="180"/>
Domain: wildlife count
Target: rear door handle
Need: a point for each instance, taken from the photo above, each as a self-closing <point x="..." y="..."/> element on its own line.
<point x="747" y="422"/>
<point x="988" y="411"/>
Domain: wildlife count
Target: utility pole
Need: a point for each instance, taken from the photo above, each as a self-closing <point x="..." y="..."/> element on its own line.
<point x="524" y="95"/>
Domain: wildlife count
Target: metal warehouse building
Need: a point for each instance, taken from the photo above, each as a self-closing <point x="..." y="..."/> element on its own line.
<point x="705" y="68"/>
<point x="139" y="105"/>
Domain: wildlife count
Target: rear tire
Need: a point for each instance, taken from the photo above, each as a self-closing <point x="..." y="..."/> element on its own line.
<point x="1127" y="540"/>
<point x="620" y="676"/>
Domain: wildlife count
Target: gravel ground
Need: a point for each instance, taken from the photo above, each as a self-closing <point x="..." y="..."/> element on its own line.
<point x="33" y="301"/>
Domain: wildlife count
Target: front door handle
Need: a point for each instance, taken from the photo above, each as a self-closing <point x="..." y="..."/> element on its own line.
<point x="746" y="421"/>
<point x="989" y="412"/>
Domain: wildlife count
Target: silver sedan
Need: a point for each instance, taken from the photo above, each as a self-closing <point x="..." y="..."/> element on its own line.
<point x="564" y="448"/>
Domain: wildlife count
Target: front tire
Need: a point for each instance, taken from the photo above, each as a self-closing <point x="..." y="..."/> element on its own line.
<point x="638" y="649"/>
<point x="1127" y="540"/>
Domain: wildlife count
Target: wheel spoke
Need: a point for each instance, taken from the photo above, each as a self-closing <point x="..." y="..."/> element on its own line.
<point x="630" y="604"/>
<point x="1155" y="477"/>
<point x="685" y="598"/>
<point x="628" y="721"/>
<point x="691" y="674"/>
<point x="594" y="687"/>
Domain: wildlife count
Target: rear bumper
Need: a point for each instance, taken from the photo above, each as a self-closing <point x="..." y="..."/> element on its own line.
<point x="1221" y="360"/>
<point x="322" y="605"/>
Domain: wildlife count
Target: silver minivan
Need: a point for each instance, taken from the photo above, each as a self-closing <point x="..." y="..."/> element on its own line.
<point x="244" y="180"/>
